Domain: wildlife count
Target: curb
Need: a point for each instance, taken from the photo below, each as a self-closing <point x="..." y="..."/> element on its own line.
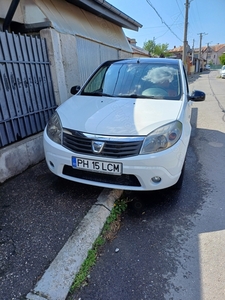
<point x="58" y="278"/>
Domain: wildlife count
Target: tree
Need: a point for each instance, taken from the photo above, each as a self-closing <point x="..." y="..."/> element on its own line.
<point x="222" y="59"/>
<point x="156" y="49"/>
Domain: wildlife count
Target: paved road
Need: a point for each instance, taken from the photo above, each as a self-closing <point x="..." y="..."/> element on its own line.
<point x="38" y="213"/>
<point x="172" y="243"/>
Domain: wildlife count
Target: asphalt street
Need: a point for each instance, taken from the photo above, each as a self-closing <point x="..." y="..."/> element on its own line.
<point x="38" y="213"/>
<point x="171" y="243"/>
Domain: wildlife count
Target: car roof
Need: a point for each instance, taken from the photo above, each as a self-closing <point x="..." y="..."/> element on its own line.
<point x="149" y="60"/>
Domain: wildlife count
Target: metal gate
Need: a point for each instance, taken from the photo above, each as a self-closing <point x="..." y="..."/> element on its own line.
<point x="26" y="92"/>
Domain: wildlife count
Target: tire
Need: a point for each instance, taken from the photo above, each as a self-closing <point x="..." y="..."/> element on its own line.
<point x="178" y="185"/>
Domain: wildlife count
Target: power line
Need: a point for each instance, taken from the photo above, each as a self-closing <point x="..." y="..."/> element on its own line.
<point x="195" y="23"/>
<point x="180" y="9"/>
<point x="168" y="29"/>
<point x="149" y="2"/>
<point x="150" y="27"/>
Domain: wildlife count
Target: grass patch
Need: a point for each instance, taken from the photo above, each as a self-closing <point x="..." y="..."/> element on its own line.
<point x="108" y="233"/>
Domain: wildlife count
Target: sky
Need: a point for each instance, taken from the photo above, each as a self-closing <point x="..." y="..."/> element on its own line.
<point x="163" y="21"/>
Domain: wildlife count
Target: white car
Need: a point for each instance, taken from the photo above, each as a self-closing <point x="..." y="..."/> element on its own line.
<point x="127" y="128"/>
<point x="207" y="67"/>
<point x="222" y="72"/>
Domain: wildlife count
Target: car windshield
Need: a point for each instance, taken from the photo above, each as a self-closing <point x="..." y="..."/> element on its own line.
<point x="136" y="80"/>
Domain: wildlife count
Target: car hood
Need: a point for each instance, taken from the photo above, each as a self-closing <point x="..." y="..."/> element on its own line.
<point x="117" y="116"/>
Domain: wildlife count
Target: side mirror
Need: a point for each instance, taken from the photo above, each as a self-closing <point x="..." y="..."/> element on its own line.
<point x="74" y="89"/>
<point x="197" y="96"/>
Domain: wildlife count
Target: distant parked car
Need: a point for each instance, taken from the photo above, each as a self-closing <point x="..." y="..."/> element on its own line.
<point x="128" y="127"/>
<point x="207" y="67"/>
<point x="222" y="72"/>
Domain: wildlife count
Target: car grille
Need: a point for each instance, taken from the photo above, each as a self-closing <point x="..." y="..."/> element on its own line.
<point x="123" y="180"/>
<point x="117" y="147"/>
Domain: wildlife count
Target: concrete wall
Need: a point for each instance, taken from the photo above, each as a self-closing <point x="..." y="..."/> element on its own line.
<point x="56" y="59"/>
<point x="17" y="157"/>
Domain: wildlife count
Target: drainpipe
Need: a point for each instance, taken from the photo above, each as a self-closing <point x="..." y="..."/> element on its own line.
<point x="10" y="14"/>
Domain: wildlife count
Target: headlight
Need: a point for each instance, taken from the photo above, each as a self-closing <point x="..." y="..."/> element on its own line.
<point x="54" y="128"/>
<point x="162" y="138"/>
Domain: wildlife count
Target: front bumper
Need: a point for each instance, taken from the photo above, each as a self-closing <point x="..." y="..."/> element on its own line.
<point x="137" y="174"/>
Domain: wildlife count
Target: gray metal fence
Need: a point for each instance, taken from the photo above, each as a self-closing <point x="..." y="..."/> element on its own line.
<point x="26" y="91"/>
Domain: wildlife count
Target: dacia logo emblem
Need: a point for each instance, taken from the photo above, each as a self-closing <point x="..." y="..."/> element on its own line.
<point x="97" y="146"/>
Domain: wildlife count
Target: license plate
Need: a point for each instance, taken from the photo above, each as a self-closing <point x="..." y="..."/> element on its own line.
<point x="97" y="166"/>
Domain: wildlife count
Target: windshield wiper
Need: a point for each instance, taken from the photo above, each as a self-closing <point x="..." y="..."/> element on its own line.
<point x="136" y="96"/>
<point x="97" y="94"/>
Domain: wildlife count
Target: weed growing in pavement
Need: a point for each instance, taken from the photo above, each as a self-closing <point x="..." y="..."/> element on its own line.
<point x="119" y="207"/>
<point x="108" y="233"/>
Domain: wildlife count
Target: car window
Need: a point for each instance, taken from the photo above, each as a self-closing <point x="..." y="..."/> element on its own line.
<point x="95" y="84"/>
<point x="186" y="80"/>
<point x="136" y="80"/>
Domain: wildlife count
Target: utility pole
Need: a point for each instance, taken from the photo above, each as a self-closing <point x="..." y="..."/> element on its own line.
<point x="185" y="43"/>
<point x="193" y="50"/>
<point x="208" y="51"/>
<point x="200" y="46"/>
